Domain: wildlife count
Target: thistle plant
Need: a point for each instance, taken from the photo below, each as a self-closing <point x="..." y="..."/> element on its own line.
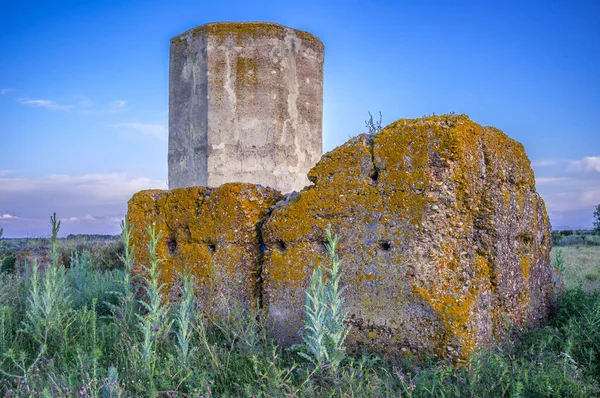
<point x="155" y="322"/>
<point x="1" y="255"/>
<point x="125" y="312"/>
<point x="48" y="310"/>
<point x="185" y="319"/>
<point x="324" y="329"/>
<point x="559" y="262"/>
<point x="5" y="313"/>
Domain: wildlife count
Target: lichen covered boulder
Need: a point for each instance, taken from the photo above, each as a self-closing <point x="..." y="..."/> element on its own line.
<point x="214" y="232"/>
<point x="443" y="239"/>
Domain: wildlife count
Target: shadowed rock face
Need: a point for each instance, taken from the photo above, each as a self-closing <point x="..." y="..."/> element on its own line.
<point x="442" y="238"/>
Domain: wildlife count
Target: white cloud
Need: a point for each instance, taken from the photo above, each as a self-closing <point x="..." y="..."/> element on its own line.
<point x="151" y="129"/>
<point x="46" y="104"/>
<point x="549" y="180"/>
<point x="117" y="106"/>
<point x="7" y="215"/>
<point x="91" y="203"/>
<point x="572" y="195"/>
<point x="543" y="163"/>
<point x="5" y="90"/>
<point x="591" y="196"/>
<point x="90" y="188"/>
<point x="6" y="172"/>
<point x="588" y="164"/>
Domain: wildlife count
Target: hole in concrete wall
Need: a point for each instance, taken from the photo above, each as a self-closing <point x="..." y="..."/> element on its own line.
<point x="280" y="245"/>
<point x="525" y="238"/>
<point x="375" y="174"/>
<point x="171" y="245"/>
<point x="320" y="246"/>
<point x="212" y="247"/>
<point x="385" y="245"/>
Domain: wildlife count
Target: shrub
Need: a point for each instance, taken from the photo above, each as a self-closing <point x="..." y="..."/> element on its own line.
<point x="572" y="240"/>
<point x="233" y="354"/>
<point x="324" y="328"/>
<point x="154" y="323"/>
<point x="592" y="240"/>
<point x="373" y="127"/>
<point x="597" y="220"/>
<point x="48" y="311"/>
<point x="103" y="253"/>
<point x="559" y="261"/>
<point x="556" y="237"/>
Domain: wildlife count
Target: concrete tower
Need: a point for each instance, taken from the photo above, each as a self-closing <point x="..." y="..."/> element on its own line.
<point x="245" y="105"/>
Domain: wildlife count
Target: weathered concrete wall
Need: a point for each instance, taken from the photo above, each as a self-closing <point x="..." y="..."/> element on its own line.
<point x="443" y="238"/>
<point x="214" y="232"/>
<point x="245" y="105"/>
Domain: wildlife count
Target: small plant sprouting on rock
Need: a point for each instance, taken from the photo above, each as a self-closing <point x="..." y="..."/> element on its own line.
<point x="324" y="328"/>
<point x="373" y="127"/>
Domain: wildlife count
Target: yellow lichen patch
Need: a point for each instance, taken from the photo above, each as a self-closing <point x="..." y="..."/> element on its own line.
<point x="142" y="212"/>
<point x="525" y="263"/>
<point x="252" y="30"/>
<point x="212" y="232"/>
<point x="244" y="30"/>
<point x="427" y="209"/>
<point x="284" y="273"/>
<point x="246" y="72"/>
<point x="452" y="303"/>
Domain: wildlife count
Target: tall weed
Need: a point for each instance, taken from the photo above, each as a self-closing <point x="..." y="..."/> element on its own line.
<point x="324" y="328"/>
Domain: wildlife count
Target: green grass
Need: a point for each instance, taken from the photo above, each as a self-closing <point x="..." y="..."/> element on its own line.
<point x="91" y="329"/>
<point x="582" y="266"/>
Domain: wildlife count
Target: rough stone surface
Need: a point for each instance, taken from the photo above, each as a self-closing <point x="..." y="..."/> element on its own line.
<point x="214" y="232"/>
<point x="245" y="105"/>
<point x="442" y="235"/>
<point x="443" y="238"/>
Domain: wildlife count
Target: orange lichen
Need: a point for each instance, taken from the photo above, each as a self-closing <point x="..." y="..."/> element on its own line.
<point x="444" y="180"/>
<point x="434" y="217"/>
<point x="246" y="72"/>
<point x="213" y="232"/>
<point x="251" y="30"/>
<point x="525" y="263"/>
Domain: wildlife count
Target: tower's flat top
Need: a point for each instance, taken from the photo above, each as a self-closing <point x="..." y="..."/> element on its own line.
<point x="243" y="30"/>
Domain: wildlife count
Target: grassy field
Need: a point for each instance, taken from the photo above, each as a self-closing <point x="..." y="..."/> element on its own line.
<point x="582" y="266"/>
<point x="92" y="330"/>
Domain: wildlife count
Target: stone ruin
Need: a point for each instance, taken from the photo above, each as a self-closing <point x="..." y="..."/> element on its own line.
<point x="443" y="239"/>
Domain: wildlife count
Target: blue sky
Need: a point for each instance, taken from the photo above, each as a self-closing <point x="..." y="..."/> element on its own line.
<point x="84" y="91"/>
